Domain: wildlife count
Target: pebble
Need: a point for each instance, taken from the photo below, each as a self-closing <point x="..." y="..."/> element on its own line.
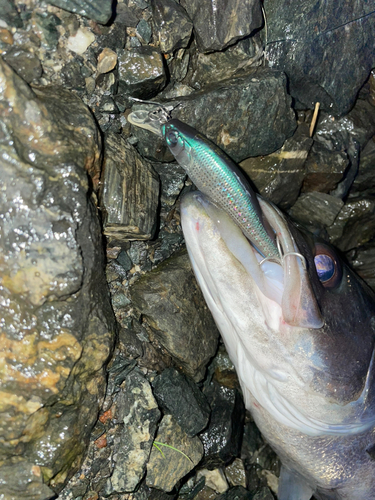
<point x="107" y="60"/>
<point x="80" y="41"/>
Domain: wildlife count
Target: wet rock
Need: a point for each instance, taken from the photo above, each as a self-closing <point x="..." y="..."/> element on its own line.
<point x="214" y="479"/>
<point x="180" y="397"/>
<point x="45" y="25"/>
<point x="71" y="75"/>
<point x="166" y="465"/>
<point x="58" y="325"/>
<point x="173" y="25"/>
<point x="235" y="473"/>
<point x="303" y="42"/>
<point x="25" y="63"/>
<point x="354" y="225"/>
<point x="97" y="10"/>
<point x="218" y="66"/>
<point x="279" y="176"/>
<point x="316" y="210"/>
<point x="9" y="14"/>
<point x="144" y="31"/>
<point x="222" y="439"/>
<point x="172" y="304"/>
<point x="364" y="182"/>
<point x="236" y="493"/>
<point x="221" y="112"/>
<point x="357" y="126"/>
<point x="127" y="16"/>
<point x="138" y="411"/>
<point x="172" y="180"/>
<point x="363" y="261"/>
<point x="107" y="60"/>
<point x="130" y="192"/>
<point x="324" y="169"/>
<point x="141" y="72"/>
<point x="23" y="480"/>
<point x="223" y="370"/>
<point x="218" y="25"/>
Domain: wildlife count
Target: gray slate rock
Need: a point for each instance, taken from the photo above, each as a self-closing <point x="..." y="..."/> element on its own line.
<point x="245" y="116"/>
<point x="172" y="303"/>
<point x="9" y="13"/>
<point x="97" y="10"/>
<point x="355" y="224"/>
<point x="180" y="397"/>
<point x="223" y="436"/>
<point x="130" y="192"/>
<point x="173" y="25"/>
<point x="141" y="72"/>
<point x="217" y="23"/>
<point x="137" y="409"/>
<point x="279" y="176"/>
<point x="304" y="39"/>
<point x="363" y="261"/>
<point x="166" y="468"/>
<point x="316" y="210"/>
<point x="324" y="169"/>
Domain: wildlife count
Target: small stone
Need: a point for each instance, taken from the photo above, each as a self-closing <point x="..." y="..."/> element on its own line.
<point x="124" y="260"/>
<point x="107" y="60"/>
<point x="130" y="192"/>
<point x="235" y="473"/>
<point x="223" y="436"/>
<point x="144" y="30"/>
<point x="180" y="396"/>
<point x="167" y="466"/>
<point x="6" y="36"/>
<point x="141" y="72"/>
<point x="136" y="408"/>
<point x="173" y="25"/>
<point x="215" y="479"/>
<point x="80" y="41"/>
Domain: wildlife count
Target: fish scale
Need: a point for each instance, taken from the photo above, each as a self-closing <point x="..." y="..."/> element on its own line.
<point x="217" y="176"/>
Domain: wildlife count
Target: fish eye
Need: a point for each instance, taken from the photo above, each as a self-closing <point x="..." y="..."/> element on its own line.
<point x="172" y="137"/>
<point x="327" y="266"/>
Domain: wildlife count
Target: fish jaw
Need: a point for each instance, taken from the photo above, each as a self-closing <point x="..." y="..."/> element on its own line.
<point x="276" y="362"/>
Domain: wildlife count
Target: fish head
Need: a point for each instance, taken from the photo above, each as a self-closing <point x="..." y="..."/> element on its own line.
<point x="300" y="333"/>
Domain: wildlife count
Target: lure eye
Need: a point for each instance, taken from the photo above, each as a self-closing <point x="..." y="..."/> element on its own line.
<point x="327" y="266"/>
<point x="172" y="138"/>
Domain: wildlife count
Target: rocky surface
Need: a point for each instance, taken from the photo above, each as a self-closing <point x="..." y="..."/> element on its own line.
<point x="57" y="325"/>
<point x="78" y="178"/>
<point x="303" y="41"/>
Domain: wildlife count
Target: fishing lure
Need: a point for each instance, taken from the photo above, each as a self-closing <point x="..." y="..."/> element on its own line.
<point x="214" y="174"/>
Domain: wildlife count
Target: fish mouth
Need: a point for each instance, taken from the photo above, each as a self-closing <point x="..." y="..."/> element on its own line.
<point x="283" y="288"/>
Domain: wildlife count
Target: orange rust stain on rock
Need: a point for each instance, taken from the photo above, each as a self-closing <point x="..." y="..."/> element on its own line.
<point x="101" y="442"/>
<point x="107" y="415"/>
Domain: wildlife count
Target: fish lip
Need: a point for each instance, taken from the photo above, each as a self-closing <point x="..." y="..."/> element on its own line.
<point x="298" y="301"/>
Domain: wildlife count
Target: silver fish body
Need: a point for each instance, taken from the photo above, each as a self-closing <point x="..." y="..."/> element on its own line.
<point x="310" y="389"/>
